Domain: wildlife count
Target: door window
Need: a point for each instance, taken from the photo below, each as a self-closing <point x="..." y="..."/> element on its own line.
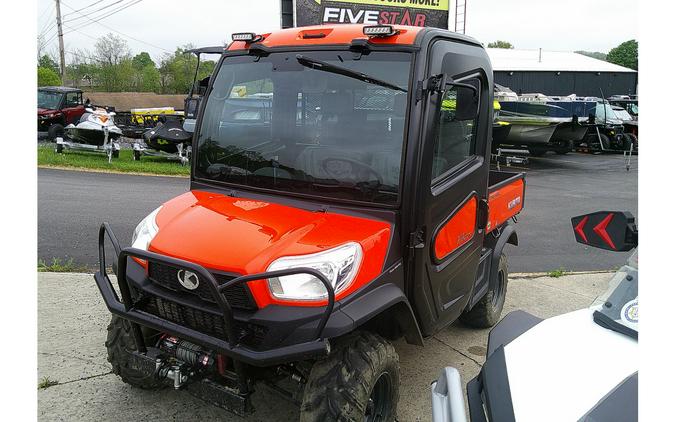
<point x="455" y="139"/>
<point x="73" y="99"/>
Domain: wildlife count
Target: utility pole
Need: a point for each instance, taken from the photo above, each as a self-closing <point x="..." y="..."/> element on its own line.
<point x="62" y="53"/>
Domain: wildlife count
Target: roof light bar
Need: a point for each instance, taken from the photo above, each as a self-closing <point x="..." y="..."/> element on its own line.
<point x="379" y="31"/>
<point x="244" y="36"/>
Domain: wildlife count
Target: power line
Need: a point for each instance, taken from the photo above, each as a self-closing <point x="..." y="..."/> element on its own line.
<point x="105" y="15"/>
<point x="79" y="32"/>
<point x="49" y="9"/>
<point x="91" y="13"/>
<point x="85" y="7"/>
<point x="114" y="30"/>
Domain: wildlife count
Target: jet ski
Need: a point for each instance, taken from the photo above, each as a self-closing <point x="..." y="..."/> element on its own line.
<point x="95" y="131"/>
<point x="92" y="127"/>
<point x="168" y="139"/>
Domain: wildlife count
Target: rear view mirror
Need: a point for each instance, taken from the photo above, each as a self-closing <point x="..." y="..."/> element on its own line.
<point x="611" y="230"/>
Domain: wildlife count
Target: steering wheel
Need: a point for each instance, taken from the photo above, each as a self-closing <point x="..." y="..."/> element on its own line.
<point x="329" y="167"/>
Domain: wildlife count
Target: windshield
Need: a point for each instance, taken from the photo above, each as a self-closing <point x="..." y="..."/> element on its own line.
<point x="632" y="109"/>
<point x="622" y="114"/>
<point x="619" y="304"/>
<point x="324" y="123"/>
<point x="49" y="99"/>
<point x="601" y="109"/>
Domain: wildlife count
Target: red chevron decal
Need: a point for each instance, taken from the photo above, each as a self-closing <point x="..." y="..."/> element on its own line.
<point x="601" y="230"/>
<point x="580" y="228"/>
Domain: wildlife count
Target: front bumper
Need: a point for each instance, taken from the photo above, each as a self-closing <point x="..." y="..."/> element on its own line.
<point x="315" y="343"/>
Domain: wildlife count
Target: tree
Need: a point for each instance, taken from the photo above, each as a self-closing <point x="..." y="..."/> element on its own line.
<point x="142" y="60"/>
<point x="48" y="63"/>
<point x="500" y="44"/>
<point x="47" y="77"/>
<point x="111" y="49"/>
<point x="594" y="54"/>
<point x="626" y="54"/>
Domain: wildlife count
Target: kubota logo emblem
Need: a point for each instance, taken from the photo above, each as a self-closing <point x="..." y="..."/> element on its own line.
<point x="188" y="279"/>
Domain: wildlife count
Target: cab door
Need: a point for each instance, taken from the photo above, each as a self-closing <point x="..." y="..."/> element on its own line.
<point x="452" y="189"/>
<point x="73" y="108"/>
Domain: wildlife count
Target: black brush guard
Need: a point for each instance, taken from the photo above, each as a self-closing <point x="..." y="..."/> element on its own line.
<point x="229" y="346"/>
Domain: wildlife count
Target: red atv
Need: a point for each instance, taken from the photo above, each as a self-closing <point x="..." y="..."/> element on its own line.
<point x="58" y="106"/>
<point x="341" y="198"/>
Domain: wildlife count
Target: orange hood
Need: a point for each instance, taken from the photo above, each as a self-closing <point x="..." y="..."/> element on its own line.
<point x="244" y="236"/>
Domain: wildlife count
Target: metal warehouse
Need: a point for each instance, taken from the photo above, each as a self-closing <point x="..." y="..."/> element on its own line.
<point x="560" y="73"/>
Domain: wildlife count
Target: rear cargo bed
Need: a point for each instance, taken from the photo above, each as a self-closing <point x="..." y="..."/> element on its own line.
<point x="506" y="195"/>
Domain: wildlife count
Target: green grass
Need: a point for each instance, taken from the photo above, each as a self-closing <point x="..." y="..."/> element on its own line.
<point x="45" y="382"/>
<point x="47" y="157"/>
<point x="557" y="273"/>
<point x="58" y="266"/>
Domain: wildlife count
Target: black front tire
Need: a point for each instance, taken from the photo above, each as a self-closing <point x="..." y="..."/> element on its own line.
<point x="120" y="344"/>
<point x="116" y="153"/>
<point x="487" y="312"/>
<point x="54" y="131"/>
<point x="632" y="140"/>
<point x="604" y="142"/>
<point x="536" y="151"/>
<point x="359" y="381"/>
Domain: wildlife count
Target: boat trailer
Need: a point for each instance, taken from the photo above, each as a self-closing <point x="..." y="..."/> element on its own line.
<point x="110" y="148"/>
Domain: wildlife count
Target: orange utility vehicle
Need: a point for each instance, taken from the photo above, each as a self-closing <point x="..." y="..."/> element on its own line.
<point x="340" y="198"/>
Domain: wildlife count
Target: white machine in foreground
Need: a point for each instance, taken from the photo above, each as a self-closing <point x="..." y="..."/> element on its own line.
<point x="580" y="366"/>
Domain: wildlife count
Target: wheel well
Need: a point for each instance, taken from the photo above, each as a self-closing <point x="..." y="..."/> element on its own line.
<point x="395" y="322"/>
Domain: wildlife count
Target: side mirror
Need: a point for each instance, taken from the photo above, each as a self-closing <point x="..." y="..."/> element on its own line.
<point x="191" y="107"/>
<point x="466" y="99"/>
<point x="611" y="230"/>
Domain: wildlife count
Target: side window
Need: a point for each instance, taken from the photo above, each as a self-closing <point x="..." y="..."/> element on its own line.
<point x="72" y="99"/>
<point x="456" y="139"/>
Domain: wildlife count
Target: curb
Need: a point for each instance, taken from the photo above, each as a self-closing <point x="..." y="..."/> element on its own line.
<point x="130" y="173"/>
<point x="546" y="274"/>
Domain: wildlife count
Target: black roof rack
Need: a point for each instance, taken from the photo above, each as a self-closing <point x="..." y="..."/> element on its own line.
<point x="60" y="88"/>
<point x="219" y="49"/>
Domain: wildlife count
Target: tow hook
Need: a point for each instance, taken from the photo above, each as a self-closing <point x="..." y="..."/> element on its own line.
<point x="178" y="375"/>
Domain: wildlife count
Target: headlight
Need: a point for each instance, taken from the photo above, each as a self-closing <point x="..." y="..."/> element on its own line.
<point x="339" y="265"/>
<point x="145" y="231"/>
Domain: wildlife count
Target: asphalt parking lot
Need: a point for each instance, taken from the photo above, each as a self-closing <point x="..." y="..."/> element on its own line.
<point x="72" y="205"/>
<point x="72" y="321"/>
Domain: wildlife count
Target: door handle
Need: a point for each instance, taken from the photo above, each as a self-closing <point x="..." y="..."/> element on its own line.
<point x="483" y="213"/>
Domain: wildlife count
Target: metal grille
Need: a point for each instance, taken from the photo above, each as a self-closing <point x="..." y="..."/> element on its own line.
<point x="202" y="321"/>
<point x="167" y="276"/>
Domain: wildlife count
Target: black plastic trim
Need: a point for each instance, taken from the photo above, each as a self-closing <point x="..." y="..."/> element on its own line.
<point x="509" y="328"/>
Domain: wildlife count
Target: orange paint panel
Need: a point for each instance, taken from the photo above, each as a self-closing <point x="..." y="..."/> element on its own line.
<point x="244" y="236"/>
<point x="457" y="231"/>
<point x="504" y="203"/>
<point x="334" y="34"/>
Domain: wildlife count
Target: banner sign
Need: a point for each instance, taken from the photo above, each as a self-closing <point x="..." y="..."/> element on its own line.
<point x="373" y="12"/>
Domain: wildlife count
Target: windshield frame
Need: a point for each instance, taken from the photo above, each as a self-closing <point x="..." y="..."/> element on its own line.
<point x="202" y="182"/>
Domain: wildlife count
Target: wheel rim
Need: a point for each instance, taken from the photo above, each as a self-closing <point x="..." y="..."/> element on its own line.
<point x="499" y="290"/>
<point x="379" y="403"/>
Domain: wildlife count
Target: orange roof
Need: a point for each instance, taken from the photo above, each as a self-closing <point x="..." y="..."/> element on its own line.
<point x="334" y="34"/>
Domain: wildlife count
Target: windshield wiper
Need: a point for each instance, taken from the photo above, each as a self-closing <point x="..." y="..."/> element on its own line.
<point x="327" y="67"/>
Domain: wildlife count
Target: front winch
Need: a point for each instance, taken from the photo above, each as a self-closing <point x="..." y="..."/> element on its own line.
<point x="187" y="352"/>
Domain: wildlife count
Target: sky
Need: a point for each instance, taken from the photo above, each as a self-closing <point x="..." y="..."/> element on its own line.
<point x="159" y="26"/>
